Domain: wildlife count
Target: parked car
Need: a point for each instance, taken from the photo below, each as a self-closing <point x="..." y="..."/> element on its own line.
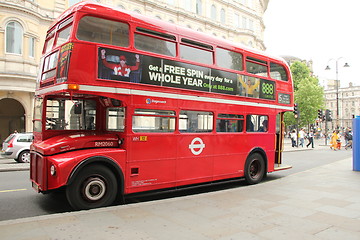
<point x="17" y="146"/>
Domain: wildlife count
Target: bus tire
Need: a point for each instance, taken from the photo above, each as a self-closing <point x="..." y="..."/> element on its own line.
<point x="254" y="168"/>
<point x="95" y="186"/>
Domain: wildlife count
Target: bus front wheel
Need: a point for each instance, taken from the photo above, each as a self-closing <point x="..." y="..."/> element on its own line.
<point x="95" y="186"/>
<point x="254" y="168"/>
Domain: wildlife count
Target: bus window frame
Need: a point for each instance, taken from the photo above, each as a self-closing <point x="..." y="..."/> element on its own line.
<point x="188" y="130"/>
<point x="66" y="23"/>
<point x="49" y="39"/>
<point x="152" y="112"/>
<point x="260" y="118"/>
<point x="46" y="64"/>
<point x="107" y="115"/>
<point x="230" y="116"/>
<point x="257" y="61"/>
<point x="196" y="45"/>
<point x="170" y="40"/>
<point x="130" y="38"/>
<point x="271" y="63"/>
<point x="221" y="48"/>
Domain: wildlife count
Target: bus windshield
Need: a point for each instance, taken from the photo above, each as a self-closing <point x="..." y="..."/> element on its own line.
<point x="70" y="114"/>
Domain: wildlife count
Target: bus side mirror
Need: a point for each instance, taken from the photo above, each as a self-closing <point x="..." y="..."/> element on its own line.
<point x="77" y="108"/>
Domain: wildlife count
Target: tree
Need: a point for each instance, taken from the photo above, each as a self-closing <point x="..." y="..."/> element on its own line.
<point x="299" y="72"/>
<point x="309" y="95"/>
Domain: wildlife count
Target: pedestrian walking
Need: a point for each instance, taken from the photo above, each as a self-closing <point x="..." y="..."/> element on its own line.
<point x="310" y="138"/>
<point x="302" y="137"/>
<point x="334" y="140"/>
<point x="348" y="139"/>
<point x="293" y="137"/>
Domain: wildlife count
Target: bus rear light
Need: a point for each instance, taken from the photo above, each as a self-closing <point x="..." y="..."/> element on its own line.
<point x="73" y="86"/>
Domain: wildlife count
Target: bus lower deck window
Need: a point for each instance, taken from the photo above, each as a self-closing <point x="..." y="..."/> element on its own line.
<point x="229" y="123"/>
<point x="148" y="120"/>
<point x="195" y="121"/>
<point x="257" y="123"/>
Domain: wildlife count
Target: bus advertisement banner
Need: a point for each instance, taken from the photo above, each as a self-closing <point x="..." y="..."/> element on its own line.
<point x="130" y="67"/>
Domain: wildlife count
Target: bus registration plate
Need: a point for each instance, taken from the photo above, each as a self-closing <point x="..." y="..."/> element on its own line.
<point x="35" y="187"/>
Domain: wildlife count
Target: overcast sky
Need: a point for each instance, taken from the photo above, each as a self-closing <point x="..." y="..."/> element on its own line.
<point x="317" y="30"/>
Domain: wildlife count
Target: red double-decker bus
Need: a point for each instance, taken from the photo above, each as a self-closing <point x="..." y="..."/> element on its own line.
<point x="126" y="104"/>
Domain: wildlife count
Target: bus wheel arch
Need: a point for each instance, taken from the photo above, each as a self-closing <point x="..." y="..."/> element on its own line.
<point x="92" y="184"/>
<point x="255" y="169"/>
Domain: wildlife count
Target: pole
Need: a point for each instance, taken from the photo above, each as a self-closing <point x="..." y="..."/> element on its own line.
<point x="356" y="144"/>
<point x="297" y="132"/>
<point x="337" y="94"/>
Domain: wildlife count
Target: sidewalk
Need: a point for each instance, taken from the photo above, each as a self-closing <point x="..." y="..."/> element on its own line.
<point x="321" y="203"/>
<point x="7" y="165"/>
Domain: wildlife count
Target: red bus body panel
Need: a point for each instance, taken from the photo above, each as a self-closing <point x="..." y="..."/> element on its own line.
<point x="150" y="161"/>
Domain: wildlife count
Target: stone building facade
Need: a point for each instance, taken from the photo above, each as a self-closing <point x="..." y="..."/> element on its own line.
<point x="349" y="103"/>
<point x="23" y="26"/>
<point x="236" y="20"/>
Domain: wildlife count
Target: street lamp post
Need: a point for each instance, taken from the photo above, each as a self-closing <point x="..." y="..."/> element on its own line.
<point x="337" y="81"/>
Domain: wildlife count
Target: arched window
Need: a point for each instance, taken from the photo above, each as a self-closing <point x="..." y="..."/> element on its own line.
<point x="222" y="16"/>
<point x="213" y="12"/>
<point x="199" y="7"/>
<point x="14" y="37"/>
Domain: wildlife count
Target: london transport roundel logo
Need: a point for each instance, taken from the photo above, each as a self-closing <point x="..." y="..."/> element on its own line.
<point x="197" y="146"/>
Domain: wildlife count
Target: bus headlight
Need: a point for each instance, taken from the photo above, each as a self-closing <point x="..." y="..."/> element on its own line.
<point x="52" y="170"/>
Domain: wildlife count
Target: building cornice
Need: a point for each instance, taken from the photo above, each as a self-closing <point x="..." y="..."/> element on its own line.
<point x="181" y="13"/>
<point x="30" y="8"/>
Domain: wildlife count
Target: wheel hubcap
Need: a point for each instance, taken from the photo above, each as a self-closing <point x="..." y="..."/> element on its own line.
<point x="95" y="189"/>
<point x="254" y="169"/>
<point x="25" y="157"/>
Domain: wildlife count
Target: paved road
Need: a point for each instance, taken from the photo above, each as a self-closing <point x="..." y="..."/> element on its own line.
<point x="18" y="200"/>
<point x="321" y="203"/>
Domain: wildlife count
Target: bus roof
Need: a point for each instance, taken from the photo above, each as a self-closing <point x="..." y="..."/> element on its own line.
<point x="105" y="10"/>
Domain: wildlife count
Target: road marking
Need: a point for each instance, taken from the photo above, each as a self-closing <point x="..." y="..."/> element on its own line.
<point x="13" y="190"/>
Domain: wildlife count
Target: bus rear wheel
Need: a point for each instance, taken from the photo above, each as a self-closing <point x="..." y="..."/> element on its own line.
<point x="95" y="186"/>
<point x="254" y="168"/>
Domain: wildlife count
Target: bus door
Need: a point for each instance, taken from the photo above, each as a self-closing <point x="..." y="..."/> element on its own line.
<point x="280" y="135"/>
<point x="152" y="150"/>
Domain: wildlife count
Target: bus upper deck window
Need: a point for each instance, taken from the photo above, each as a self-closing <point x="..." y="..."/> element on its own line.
<point x="49" y="44"/>
<point x="229" y="59"/>
<point x="63" y="36"/>
<point x="100" y="30"/>
<point x="155" y="45"/>
<point x="64" y="31"/>
<point x="278" y="72"/>
<point x="256" y="66"/>
<point x="198" y="52"/>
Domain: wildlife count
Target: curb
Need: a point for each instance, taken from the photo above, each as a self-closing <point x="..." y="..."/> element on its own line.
<point x="14" y="169"/>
